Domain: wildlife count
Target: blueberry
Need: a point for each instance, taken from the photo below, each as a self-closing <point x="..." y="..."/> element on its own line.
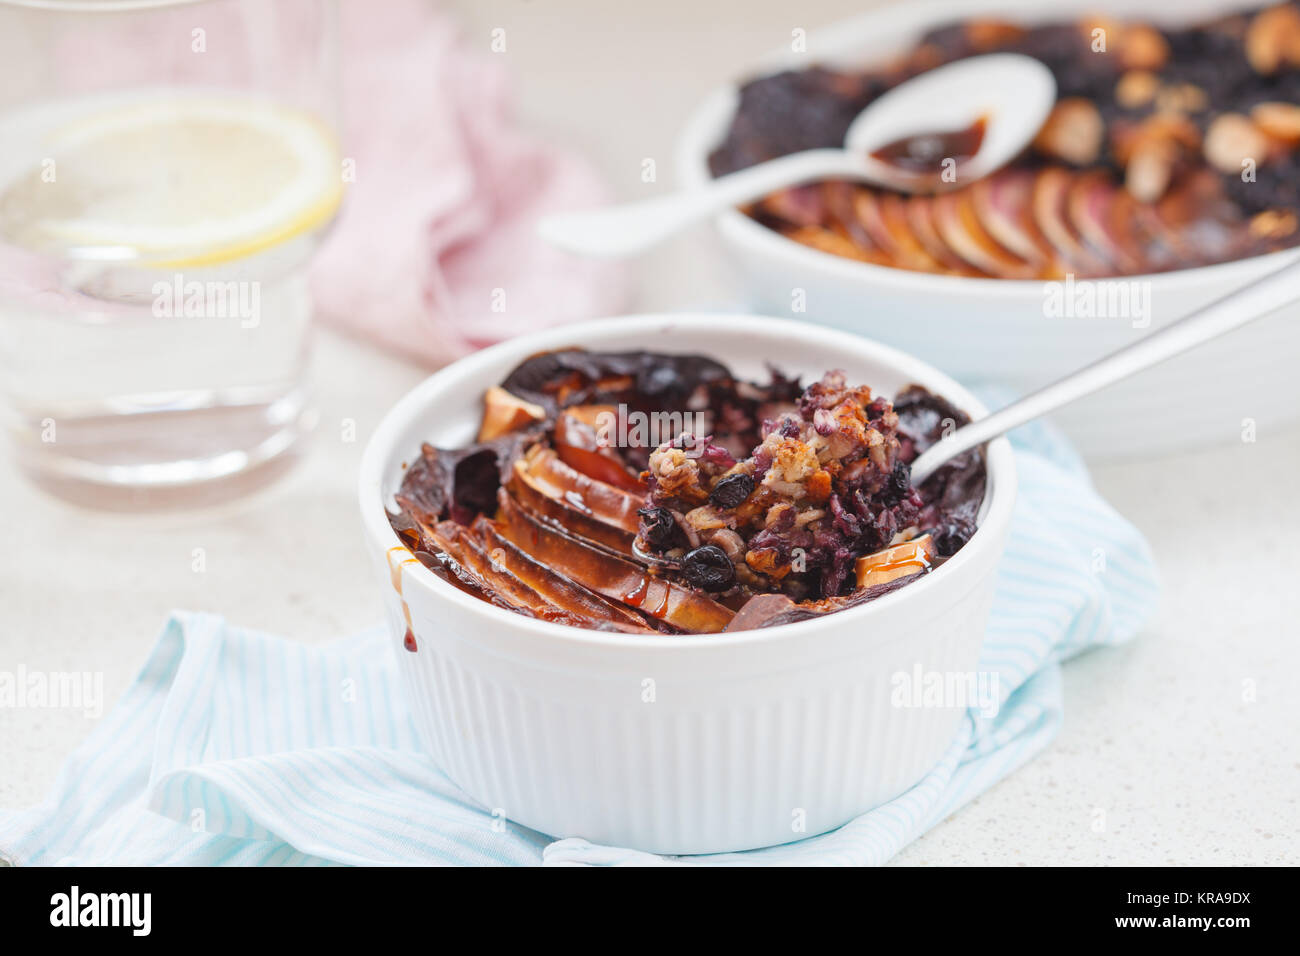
<point x="658" y="528"/>
<point x="731" y="491"/>
<point x="708" y="568"/>
<point x="899" y="485"/>
<point x="949" y="537"/>
<point x="662" y="382"/>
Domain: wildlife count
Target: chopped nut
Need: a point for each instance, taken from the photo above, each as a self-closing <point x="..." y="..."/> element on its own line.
<point x="1073" y="132"/>
<point x="1142" y="48"/>
<point x="1273" y="39"/>
<point x="808" y="516"/>
<point x="730" y="542"/>
<point x="792" y="461"/>
<point x="1233" y="138"/>
<point x="1150" y="151"/>
<point x="818" y="485"/>
<point x="776" y="517"/>
<point x="1150" y="168"/>
<point x="504" y="413"/>
<point x="705" y="518"/>
<point x="1279" y="120"/>
<point x="1172" y="128"/>
<point x="1273" y="224"/>
<point x="767" y="561"/>
<point x="1181" y="98"/>
<point x="1136" y="88"/>
<point x="677" y="474"/>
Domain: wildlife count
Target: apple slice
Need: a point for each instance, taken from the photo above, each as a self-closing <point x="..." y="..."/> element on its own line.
<point x="824" y="240"/>
<point x="545" y="501"/>
<point x="504" y="413"/>
<point x="908" y="251"/>
<point x="901" y="560"/>
<point x="1051" y="186"/>
<point x="593" y="499"/>
<point x="842" y="216"/>
<point x="798" y="205"/>
<point x="920" y="219"/>
<point x="615" y="578"/>
<point x="455" y="540"/>
<point x="491" y="574"/>
<point x="555" y="587"/>
<point x="884" y="216"/>
<point x="1088" y="206"/>
<point x="957" y="224"/>
<point x="464" y="559"/>
<point x="866" y="211"/>
<point x="581" y="443"/>
<point x="1002" y="204"/>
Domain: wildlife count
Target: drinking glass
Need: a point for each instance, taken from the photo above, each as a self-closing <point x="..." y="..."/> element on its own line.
<point x="166" y="171"/>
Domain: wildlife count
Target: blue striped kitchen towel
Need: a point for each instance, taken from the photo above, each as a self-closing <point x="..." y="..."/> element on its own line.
<point x="234" y="747"/>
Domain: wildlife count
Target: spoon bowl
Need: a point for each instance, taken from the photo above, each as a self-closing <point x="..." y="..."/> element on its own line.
<point x="1010" y="93"/>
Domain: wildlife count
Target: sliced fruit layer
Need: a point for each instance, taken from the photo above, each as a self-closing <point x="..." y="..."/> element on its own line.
<point x="616" y="578"/>
<point x="584" y="496"/>
<point x="554" y="586"/>
<point x="479" y="560"/>
<point x="1019" y="224"/>
<point x="910" y="557"/>
<point x="545" y="500"/>
<point x="584" y="435"/>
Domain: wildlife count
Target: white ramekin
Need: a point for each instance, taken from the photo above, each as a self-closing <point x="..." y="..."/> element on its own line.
<point x="678" y="744"/>
<point x="993" y="330"/>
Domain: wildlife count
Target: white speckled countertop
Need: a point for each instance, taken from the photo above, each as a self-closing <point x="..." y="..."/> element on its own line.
<point x="1183" y="747"/>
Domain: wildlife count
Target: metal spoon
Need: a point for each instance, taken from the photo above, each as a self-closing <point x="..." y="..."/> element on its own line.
<point x="1255" y="300"/>
<point x="1012" y="93"/>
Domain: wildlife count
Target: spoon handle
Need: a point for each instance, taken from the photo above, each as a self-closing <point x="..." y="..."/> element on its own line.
<point x="617" y="231"/>
<point x="1235" y="309"/>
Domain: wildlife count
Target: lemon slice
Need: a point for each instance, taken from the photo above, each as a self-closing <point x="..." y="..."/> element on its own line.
<point x="179" y="181"/>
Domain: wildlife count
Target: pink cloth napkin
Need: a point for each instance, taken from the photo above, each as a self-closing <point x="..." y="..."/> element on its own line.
<point x="434" y="254"/>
